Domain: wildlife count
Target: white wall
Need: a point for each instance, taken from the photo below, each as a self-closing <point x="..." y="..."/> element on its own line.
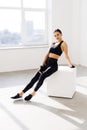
<point x="76" y="31"/>
<point x="83" y="32"/>
<point x="21" y="58"/>
<point x="80" y="30"/>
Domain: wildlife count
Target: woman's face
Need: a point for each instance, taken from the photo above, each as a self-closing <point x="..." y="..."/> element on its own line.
<point x="58" y="36"/>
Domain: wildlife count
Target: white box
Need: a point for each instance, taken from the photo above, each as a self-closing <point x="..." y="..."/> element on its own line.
<point x="62" y="83"/>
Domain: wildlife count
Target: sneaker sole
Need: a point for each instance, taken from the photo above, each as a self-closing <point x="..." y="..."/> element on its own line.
<point x="17" y="98"/>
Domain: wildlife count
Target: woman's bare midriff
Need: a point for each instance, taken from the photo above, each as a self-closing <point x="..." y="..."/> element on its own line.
<point x="52" y="55"/>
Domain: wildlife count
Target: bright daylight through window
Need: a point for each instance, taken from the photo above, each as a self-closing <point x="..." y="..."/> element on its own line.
<point x="22" y="22"/>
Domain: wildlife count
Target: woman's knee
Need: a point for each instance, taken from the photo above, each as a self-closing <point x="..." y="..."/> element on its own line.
<point x="40" y="72"/>
<point x="42" y="77"/>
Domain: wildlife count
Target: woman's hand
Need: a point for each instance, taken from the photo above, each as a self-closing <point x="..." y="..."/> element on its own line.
<point x="72" y="66"/>
<point x="41" y="69"/>
<point x="45" y="58"/>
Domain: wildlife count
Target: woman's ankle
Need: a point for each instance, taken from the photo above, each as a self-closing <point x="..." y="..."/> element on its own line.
<point x="33" y="93"/>
<point x="21" y="93"/>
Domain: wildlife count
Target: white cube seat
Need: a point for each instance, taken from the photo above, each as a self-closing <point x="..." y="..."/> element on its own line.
<point x="62" y="83"/>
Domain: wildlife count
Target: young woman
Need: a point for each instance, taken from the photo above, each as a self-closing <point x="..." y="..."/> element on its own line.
<point x="48" y="66"/>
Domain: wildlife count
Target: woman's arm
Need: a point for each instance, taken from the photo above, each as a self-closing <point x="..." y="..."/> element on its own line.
<point x="43" y="63"/>
<point x="65" y="49"/>
<point x="45" y="59"/>
<point x="47" y="55"/>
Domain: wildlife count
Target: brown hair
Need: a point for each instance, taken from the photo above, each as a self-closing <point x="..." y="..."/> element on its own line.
<point x="58" y="30"/>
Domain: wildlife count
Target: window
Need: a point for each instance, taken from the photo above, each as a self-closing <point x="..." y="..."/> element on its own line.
<point x="34" y="3"/>
<point x="10" y="3"/>
<point x="22" y="22"/>
<point x="35" y="27"/>
<point x="10" y="27"/>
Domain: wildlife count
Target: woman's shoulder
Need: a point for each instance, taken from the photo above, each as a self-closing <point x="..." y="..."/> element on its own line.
<point x="64" y="43"/>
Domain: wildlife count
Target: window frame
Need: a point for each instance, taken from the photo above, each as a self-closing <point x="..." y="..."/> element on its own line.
<point x="23" y="24"/>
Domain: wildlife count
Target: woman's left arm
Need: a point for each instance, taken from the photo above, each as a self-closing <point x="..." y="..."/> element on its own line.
<point x="65" y="49"/>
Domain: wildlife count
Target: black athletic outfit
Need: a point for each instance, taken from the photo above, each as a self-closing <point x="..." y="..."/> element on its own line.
<point x="48" y="69"/>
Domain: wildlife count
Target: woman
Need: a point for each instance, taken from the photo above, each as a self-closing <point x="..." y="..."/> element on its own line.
<point x="48" y="66"/>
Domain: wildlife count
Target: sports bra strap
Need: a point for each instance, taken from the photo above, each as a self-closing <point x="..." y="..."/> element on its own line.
<point x="61" y="42"/>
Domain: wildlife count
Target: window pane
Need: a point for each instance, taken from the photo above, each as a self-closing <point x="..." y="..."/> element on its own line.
<point x="10" y="27"/>
<point x="10" y="3"/>
<point x="35" y="27"/>
<point x="35" y="3"/>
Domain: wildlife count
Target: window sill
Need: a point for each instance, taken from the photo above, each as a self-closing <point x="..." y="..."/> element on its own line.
<point x="22" y="47"/>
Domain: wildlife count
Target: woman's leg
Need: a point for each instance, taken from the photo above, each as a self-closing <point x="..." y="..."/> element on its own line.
<point x="34" y="79"/>
<point x="32" y="82"/>
<point x="43" y="76"/>
<point x="30" y="85"/>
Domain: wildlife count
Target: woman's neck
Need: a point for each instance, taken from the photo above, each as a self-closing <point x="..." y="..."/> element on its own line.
<point x="59" y="40"/>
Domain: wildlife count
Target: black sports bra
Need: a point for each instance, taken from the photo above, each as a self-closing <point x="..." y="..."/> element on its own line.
<point x="56" y="49"/>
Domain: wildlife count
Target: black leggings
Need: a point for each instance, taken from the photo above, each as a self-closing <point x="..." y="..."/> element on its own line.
<point x="48" y="69"/>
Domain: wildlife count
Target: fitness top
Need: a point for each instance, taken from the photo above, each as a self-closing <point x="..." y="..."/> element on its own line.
<point x="56" y="49"/>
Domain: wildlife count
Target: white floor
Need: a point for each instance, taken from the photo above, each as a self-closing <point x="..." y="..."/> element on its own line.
<point x="42" y="112"/>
